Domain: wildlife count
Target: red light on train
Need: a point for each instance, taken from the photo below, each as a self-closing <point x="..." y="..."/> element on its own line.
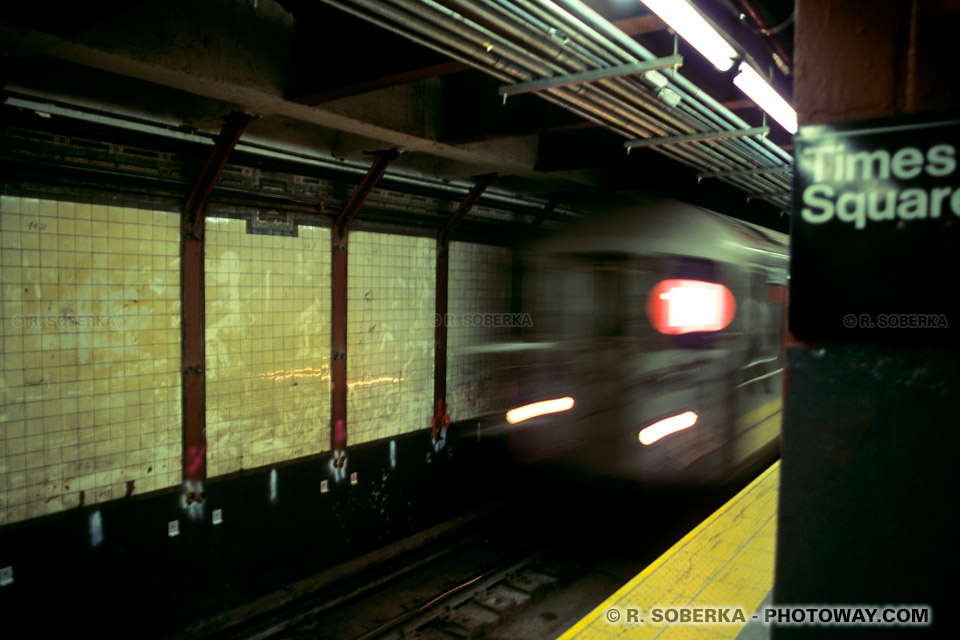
<point x="684" y="306"/>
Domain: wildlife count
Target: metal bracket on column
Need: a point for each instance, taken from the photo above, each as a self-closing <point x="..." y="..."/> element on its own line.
<point x="441" y="417"/>
<point x="590" y="76"/>
<point x="762" y="196"/>
<point x="233" y="127"/>
<point x="746" y="172"/>
<point x="342" y="224"/>
<point x="192" y="297"/>
<point x="338" y="337"/>
<point x="696" y="137"/>
<point x="485" y="181"/>
<point x="549" y="208"/>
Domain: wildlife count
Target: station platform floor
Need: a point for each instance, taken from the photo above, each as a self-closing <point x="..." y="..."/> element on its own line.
<point x="710" y="584"/>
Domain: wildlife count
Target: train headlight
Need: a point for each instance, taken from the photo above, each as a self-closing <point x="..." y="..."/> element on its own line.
<point x="665" y="427"/>
<point x="685" y="306"/>
<point x="539" y="409"/>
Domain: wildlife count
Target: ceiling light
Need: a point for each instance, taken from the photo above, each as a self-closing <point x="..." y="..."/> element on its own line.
<point x="753" y="84"/>
<point x="692" y="27"/>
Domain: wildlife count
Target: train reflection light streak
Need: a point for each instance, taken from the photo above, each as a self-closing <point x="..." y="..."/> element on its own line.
<point x="665" y="427"/>
<point x="528" y="411"/>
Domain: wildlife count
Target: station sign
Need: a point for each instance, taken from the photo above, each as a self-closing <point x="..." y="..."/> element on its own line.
<point x="875" y="232"/>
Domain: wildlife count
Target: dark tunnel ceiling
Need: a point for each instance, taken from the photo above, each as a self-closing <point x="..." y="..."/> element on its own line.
<point x="322" y="79"/>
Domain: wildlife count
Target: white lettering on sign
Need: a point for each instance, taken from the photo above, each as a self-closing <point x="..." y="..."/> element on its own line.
<point x="836" y="172"/>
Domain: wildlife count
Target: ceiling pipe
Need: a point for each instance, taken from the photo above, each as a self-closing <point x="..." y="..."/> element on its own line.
<point x="576" y="29"/>
<point x="522" y="46"/>
<point x="714" y="108"/>
<point x="710" y="108"/>
<point x="749" y="9"/>
<point x="626" y="88"/>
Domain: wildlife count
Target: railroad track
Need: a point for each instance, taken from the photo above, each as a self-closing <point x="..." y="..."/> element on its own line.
<point x="472" y="608"/>
<point x="468" y="607"/>
<point x="508" y="574"/>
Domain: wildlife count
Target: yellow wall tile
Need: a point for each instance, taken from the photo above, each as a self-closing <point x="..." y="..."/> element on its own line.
<point x="267" y="345"/>
<point x="79" y="328"/>
<point x="390" y="308"/>
<point x="478" y="293"/>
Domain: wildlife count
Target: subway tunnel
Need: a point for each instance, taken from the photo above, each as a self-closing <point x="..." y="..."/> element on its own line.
<point x="454" y="319"/>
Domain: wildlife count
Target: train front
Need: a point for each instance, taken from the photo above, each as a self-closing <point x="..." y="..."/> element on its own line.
<point x="653" y="353"/>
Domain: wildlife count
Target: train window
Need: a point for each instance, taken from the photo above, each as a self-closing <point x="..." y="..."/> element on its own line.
<point x="590" y="302"/>
<point x="605" y="318"/>
<point x="589" y="296"/>
<point x="762" y="311"/>
<point x="636" y="285"/>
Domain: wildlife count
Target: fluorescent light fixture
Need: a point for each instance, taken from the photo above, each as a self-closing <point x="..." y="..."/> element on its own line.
<point x="692" y="27"/>
<point x="753" y="84"/>
<point x="667" y="426"/>
<point x="538" y="409"/>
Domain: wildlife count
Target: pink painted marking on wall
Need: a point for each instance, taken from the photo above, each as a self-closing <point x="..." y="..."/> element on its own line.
<point x="339" y="435"/>
<point x="195" y="459"/>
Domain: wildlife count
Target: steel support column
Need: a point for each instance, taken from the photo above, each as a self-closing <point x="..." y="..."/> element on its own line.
<point x="868" y="475"/>
<point x="441" y="418"/>
<point x="548" y="208"/>
<point x="192" y="309"/>
<point x="340" y="231"/>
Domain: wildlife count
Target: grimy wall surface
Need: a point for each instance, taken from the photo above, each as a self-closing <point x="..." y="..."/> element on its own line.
<point x="91" y="354"/>
<point x="868" y="477"/>
<point x="91" y="347"/>
<point x="92" y="481"/>
<point x="267" y="341"/>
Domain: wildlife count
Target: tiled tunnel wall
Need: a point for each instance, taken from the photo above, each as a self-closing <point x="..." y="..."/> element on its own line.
<point x="267" y="345"/>
<point x="91" y="344"/>
<point x="391" y="297"/>
<point x="478" y="315"/>
<point x="91" y="354"/>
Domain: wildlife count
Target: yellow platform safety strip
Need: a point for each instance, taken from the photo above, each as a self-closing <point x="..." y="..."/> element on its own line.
<point x="723" y="566"/>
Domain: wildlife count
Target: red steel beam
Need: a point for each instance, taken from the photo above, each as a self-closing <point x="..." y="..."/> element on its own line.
<point x="233" y="127"/>
<point x="516" y="132"/>
<point x="465" y="206"/>
<point x="746" y="103"/>
<point x="341" y="229"/>
<point x="751" y="10"/>
<point x="441" y="418"/>
<point x="342" y="224"/>
<point x="639" y="25"/>
<point x="192" y="293"/>
<point x="373" y="84"/>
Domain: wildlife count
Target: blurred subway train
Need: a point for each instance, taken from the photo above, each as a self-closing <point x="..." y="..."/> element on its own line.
<point x="655" y="347"/>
